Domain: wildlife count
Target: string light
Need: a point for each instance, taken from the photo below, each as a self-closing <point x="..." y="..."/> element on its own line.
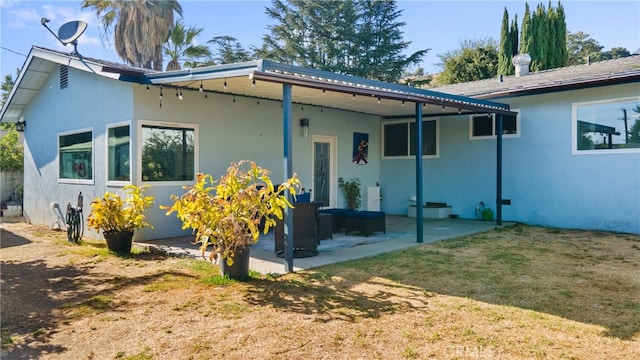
<point x="201" y="88"/>
<point x="253" y="83"/>
<point x="378" y="100"/>
<point x="402" y="102"/>
<point x="160" y="97"/>
<point x="225" y="84"/>
<point x="147" y="88"/>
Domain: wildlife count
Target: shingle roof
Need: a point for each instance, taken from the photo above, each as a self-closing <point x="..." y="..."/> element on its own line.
<point x="613" y="71"/>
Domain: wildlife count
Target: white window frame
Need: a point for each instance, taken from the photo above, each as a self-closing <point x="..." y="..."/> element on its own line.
<point x="62" y="180"/>
<point x="574" y="129"/>
<point x="196" y="151"/>
<point x="493" y="127"/>
<point x="118" y="183"/>
<point x="409" y="122"/>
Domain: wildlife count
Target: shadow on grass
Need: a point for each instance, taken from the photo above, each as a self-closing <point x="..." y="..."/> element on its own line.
<point x="38" y="298"/>
<point x="590" y="280"/>
<point x="304" y="295"/>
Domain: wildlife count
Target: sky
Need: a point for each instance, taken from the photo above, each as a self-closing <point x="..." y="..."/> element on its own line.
<point x="436" y="25"/>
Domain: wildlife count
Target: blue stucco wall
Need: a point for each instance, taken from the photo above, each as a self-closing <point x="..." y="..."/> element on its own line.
<point x="89" y="102"/>
<point x="230" y="131"/>
<point x="546" y="184"/>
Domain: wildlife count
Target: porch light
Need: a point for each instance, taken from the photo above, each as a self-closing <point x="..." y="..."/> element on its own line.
<point x="21" y="125"/>
<point x="304" y="124"/>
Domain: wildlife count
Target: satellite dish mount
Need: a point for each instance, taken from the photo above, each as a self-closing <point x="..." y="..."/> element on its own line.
<point x="68" y="33"/>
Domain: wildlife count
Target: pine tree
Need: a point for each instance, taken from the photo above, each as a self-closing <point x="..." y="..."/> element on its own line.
<point x="357" y="37"/>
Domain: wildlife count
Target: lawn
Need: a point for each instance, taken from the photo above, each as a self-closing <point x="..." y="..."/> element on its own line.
<point x="516" y="293"/>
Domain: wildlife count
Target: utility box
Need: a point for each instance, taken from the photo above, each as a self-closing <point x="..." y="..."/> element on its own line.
<point x="372" y="198"/>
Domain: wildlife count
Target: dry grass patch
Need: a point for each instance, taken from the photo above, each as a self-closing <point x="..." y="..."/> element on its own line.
<point x="517" y="293"/>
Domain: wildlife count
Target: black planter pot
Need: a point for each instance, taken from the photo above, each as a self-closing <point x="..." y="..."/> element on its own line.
<point x="239" y="270"/>
<point x="119" y="241"/>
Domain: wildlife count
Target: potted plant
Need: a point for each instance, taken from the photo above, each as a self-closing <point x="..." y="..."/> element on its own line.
<point x="226" y="214"/>
<point x="117" y="218"/>
<point x="351" y="191"/>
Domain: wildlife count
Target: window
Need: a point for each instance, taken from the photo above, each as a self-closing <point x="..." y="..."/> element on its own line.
<point x="76" y="156"/>
<point x="607" y="126"/>
<point x="398" y="139"/>
<point x="484" y="126"/>
<point x="118" y="153"/>
<point x="168" y="153"/>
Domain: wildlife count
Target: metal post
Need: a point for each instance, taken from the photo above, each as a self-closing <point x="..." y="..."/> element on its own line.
<point x="419" y="200"/>
<point x="499" y="170"/>
<point x="288" y="172"/>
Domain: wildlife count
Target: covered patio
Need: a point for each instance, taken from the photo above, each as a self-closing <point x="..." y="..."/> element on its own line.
<point x="294" y="85"/>
<point x="400" y="234"/>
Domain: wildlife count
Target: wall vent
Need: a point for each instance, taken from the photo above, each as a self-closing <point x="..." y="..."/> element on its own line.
<point x="64" y="76"/>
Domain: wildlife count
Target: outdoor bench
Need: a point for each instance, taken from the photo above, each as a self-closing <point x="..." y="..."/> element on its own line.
<point x="365" y="222"/>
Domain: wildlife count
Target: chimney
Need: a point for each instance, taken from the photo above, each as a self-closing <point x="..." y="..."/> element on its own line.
<point x="521" y="62"/>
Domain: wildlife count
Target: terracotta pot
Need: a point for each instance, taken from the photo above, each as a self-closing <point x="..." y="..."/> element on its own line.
<point x="239" y="270"/>
<point x="119" y="241"/>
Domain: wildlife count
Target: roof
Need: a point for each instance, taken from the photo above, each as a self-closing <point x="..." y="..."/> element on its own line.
<point x="39" y="65"/>
<point x="261" y="79"/>
<point x="608" y="72"/>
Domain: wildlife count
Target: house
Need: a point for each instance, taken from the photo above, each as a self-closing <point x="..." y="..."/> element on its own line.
<point x="571" y="158"/>
<point x="93" y="126"/>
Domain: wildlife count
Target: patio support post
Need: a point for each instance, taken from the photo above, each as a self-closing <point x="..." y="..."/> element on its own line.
<point x="499" y="170"/>
<point x="288" y="170"/>
<point x="419" y="202"/>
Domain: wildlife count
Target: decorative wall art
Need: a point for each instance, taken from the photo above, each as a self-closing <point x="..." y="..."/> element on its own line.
<point x="360" y="148"/>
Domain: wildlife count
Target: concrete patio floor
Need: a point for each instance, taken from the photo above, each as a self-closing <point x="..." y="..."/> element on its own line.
<point x="400" y="234"/>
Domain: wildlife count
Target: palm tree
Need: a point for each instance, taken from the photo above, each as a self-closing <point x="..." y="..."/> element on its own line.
<point x="180" y="47"/>
<point x="141" y="27"/>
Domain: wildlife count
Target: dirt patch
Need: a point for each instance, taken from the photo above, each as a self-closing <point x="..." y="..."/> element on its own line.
<point x="517" y="293"/>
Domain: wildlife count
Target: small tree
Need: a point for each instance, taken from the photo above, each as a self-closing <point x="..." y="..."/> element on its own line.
<point x="180" y="47"/>
<point x="11" y="150"/>
<point x="351" y="191"/>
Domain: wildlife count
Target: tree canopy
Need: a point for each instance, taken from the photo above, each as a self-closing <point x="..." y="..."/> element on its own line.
<point x="357" y="37"/>
<point x="140" y="27"/>
<point x="474" y="60"/>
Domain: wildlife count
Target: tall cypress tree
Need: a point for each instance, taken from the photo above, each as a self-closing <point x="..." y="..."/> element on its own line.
<point x="526" y="32"/>
<point x="560" y="39"/>
<point x="504" y="52"/>
<point x="543" y="37"/>
<point x="513" y="38"/>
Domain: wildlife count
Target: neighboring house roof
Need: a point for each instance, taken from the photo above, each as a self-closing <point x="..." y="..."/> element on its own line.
<point x="608" y="72"/>
<point x="313" y="87"/>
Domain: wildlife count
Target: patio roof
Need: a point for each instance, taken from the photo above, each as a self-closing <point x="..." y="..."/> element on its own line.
<point x="262" y="79"/>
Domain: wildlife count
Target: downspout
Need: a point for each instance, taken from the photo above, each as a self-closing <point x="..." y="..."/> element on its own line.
<point x="499" y="170"/>
<point x="288" y="170"/>
<point x="419" y="202"/>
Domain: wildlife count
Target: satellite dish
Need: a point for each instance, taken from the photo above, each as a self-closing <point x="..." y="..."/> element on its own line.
<point x="68" y="33"/>
<point x="71" y="31"/>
